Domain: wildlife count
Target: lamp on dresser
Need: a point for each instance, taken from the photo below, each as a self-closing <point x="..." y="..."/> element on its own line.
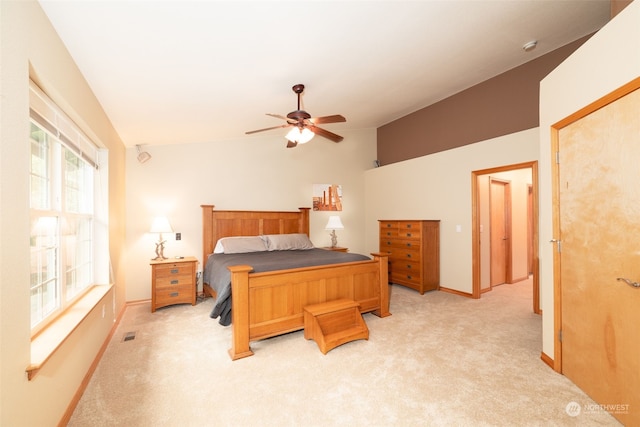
<point x="334" y="224"/>
<point x="160" y="225"/>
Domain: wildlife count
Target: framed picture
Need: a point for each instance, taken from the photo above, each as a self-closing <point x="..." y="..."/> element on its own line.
<point x="327" y="197"/>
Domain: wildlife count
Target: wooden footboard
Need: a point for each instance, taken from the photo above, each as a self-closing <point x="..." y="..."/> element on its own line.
<point x="272" y="303"/>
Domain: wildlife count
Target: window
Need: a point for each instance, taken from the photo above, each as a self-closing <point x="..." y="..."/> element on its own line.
<point x="67" y="237"/>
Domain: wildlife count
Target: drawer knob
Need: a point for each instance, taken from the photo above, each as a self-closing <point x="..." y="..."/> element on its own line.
<point x="173" y="294"/>
<point x="388" y="243"/>
<point x="408" y="225"/>
<point x="408" y="276"/>
<point x="174" y="282"/>
<point x="409" y="244"/>
<point x="174" y="271"/>
<point x="408" y="265"/>
<point x="388" y="225"/>
<point x="408" y="255"/>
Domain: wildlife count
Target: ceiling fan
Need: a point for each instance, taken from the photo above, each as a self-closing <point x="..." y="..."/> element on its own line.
<point x="303" y="125"/>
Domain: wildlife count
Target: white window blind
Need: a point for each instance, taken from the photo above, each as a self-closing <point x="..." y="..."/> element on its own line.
<point x="54" y="120"/>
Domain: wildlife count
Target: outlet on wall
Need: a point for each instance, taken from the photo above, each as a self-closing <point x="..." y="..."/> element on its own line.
<point x="178" y="236"/>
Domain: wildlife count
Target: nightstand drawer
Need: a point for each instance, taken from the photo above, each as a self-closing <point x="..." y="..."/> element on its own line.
<point x="174" y="280"/>
<point x="174" y="295"/>
<point x="171" y="270"/>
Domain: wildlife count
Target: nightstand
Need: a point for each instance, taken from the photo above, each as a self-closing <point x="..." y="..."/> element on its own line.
<point x="173" y="281"/>
<point x="336" y="248"/>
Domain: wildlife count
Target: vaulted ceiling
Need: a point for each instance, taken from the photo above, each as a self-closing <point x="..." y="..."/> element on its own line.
<point x="171" y="72"/>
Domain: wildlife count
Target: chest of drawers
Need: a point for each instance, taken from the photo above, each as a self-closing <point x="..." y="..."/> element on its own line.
<point x="173" y="281"/>
<point x="414" y="252"/>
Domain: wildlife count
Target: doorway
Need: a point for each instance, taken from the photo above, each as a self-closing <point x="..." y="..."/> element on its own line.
<point x="481" y="269"/>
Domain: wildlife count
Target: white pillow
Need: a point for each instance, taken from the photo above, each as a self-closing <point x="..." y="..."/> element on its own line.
<point x="286" y="242"/>
<point x="240" y="245"/>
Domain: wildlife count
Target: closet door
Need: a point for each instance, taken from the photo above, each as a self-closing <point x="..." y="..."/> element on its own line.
<point x="499" y="201"/>
<point x="599" y="215"/>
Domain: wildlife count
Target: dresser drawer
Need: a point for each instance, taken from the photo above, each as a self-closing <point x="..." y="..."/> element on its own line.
<point x="405" y="278"/>
<point x="409" y="230"/>
<point x="393" y="245"/>
<point x="404" y="266"/>
<point x="388" y="232"/>
<point x="403" y="272"/>
<point x="408" y="254"/>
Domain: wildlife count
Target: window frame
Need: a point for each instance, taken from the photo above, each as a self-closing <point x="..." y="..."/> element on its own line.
<point x="69" y="146"/>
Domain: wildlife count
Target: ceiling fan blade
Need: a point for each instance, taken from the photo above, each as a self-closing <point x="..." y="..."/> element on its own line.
<point x="291" y="144"/>
<point x="336" y="118"/>
<point x="278" y="116"/>
<point x="325" y="133"/>
<point x="273" y="127"/>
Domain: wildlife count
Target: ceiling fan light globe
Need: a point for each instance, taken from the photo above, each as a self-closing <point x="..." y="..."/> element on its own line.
<point x="305" y="136"/>
<point x="299" y="136"/>
<point x="293" y="134"/>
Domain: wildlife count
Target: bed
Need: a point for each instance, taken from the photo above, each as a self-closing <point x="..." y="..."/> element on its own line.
<point x="270" y="303"/>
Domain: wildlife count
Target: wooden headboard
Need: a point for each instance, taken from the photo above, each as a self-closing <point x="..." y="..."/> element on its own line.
<point x="219" y="224"/>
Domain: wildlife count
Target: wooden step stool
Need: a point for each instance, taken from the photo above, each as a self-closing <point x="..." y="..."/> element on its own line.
<point x="334" y="323"/>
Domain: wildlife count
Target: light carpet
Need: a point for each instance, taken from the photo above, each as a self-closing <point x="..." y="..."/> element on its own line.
<point x="439" y="360"/>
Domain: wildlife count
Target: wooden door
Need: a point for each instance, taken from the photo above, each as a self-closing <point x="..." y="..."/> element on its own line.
<point x="599" y="225"/>
<point x="499" y="223"/>
<point x="530" y="230"/>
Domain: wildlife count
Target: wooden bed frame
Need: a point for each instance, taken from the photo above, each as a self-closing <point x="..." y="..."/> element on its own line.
<point x="272" y="303"/>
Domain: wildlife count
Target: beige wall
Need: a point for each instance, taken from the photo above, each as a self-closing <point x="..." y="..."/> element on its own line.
<point x="438" y="186"/>
<point x="30" y="46"/>
<point x="257" y="173"/>
<point x="605" y="62"/>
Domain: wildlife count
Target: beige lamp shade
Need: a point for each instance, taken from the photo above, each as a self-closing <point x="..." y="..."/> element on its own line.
<point x="334" y="223"/>
<point x="161" y="224"/>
